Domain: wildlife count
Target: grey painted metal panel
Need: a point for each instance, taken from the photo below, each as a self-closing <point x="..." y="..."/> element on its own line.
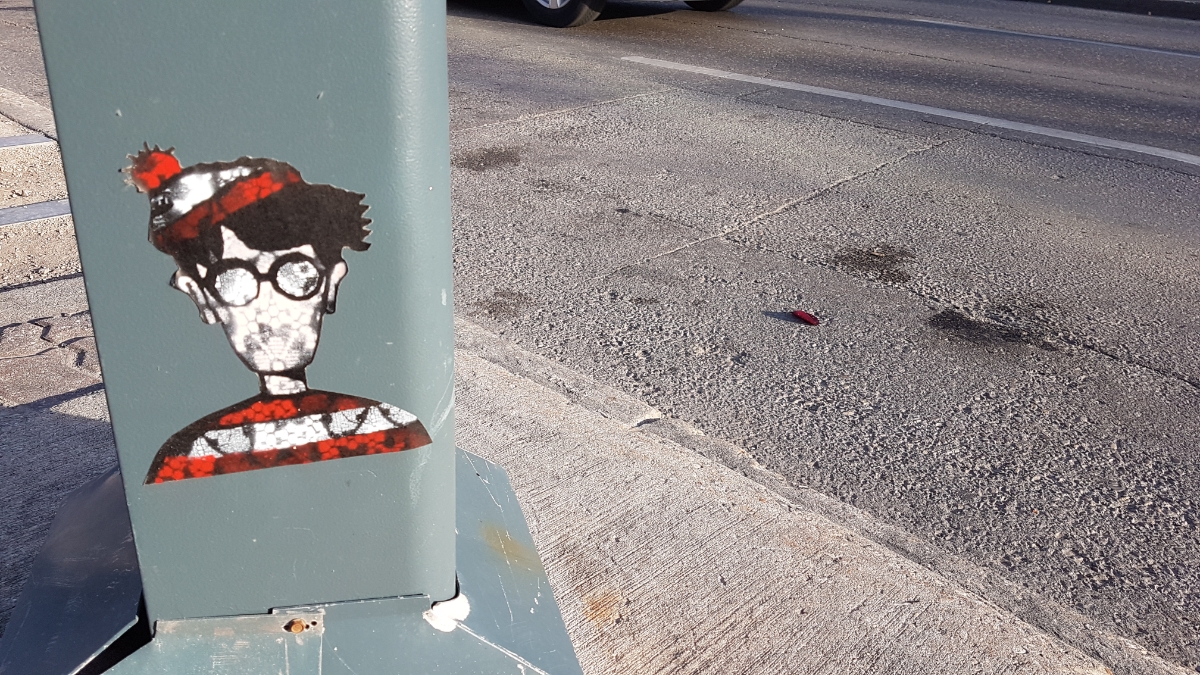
<point x="387" y="637"/>
<point x="514" y="625"/>
<point x="352" y="95"/>
<point x="83" y="590"/>
<point x="261" y="643"/>
<point x="23" y="214"/>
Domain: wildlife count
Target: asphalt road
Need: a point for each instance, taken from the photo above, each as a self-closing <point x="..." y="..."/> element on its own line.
<point x="1007" y="364"/>
<point x="1008" y="361"/>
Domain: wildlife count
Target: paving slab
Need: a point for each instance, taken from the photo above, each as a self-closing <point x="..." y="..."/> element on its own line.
<point x="37" y="251"/>
<point x="30" y="174"/>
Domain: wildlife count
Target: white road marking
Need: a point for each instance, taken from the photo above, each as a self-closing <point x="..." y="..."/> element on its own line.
<point x="1087" y="139"/>
<point x="1115" y="45"/>
<point x="15" y="215"/>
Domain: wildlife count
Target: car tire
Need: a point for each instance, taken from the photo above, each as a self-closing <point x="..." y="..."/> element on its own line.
<point x="713" y="5"/>
<point x="564" y="13"/>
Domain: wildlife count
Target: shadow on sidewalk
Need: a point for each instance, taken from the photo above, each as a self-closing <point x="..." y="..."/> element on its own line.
<point x="46" y="453"/>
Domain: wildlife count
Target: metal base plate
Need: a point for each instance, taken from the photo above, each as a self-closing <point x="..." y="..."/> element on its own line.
<point x="513" y="625"/>
<point x="84" y="588"/>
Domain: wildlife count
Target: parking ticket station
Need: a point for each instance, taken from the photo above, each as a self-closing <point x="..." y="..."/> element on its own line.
<point x="261" y="199"/>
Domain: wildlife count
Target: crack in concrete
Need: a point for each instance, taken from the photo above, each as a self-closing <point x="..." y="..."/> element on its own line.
<point x="740" y="227"/>
<point x="1103" y="351"/>
<point x="1065" y="340"/>
<point x="30" y="356"/>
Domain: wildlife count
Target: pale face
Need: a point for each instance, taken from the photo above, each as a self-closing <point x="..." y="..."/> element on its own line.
<point x="273" y="318"/>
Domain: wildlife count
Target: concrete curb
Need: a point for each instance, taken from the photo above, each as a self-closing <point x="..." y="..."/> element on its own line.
<point x="665" y="561"/>
<point x="522" y="423"/>
<point x="27" y="112"/>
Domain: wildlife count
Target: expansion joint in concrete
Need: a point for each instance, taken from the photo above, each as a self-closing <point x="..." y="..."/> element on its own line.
<point x="787" y="205"/>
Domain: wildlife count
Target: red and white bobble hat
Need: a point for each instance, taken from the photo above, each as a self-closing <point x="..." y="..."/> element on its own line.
<point x="184" y="201"/>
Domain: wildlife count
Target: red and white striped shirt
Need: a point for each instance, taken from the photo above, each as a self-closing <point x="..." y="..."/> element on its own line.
<point x="268" y="431"/>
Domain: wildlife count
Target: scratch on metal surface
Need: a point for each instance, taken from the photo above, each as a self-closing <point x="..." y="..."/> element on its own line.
<point x="486" y="484"/>
<point x="414" y="479"/>
<point x="501" y="541"/>
<point x="444" y="406"/>
<point x="505" y="592"/>
<point x="515" y="657"/>
<point x="352" y="671"/>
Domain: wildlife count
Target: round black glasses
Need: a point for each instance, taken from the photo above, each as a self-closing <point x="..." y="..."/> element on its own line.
<point x="236" y="282"/>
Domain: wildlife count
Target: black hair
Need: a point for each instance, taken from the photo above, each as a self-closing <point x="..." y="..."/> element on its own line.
<point x="326" y="217"/>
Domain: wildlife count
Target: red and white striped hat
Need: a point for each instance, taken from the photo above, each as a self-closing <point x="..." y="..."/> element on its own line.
<point x="184" y="202"/>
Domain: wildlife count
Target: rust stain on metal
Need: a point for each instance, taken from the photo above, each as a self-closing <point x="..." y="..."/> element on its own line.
<point x="295" y="626"/>
<point x="510" y="550"/>
<point x="603" y="607"/>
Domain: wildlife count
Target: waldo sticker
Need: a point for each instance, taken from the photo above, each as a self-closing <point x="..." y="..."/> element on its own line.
<point x="260" y="252"/>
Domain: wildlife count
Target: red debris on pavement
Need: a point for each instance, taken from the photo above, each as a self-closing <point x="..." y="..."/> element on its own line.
<point x="806" y="317"/>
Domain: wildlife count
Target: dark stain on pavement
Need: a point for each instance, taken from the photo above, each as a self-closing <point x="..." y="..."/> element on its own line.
<point x="603" y="607"/>
<point x="504" y="305"/>
<point x="487" y="158"/>
<point x="881" y="263"/>
<point x="963" y="327"/>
